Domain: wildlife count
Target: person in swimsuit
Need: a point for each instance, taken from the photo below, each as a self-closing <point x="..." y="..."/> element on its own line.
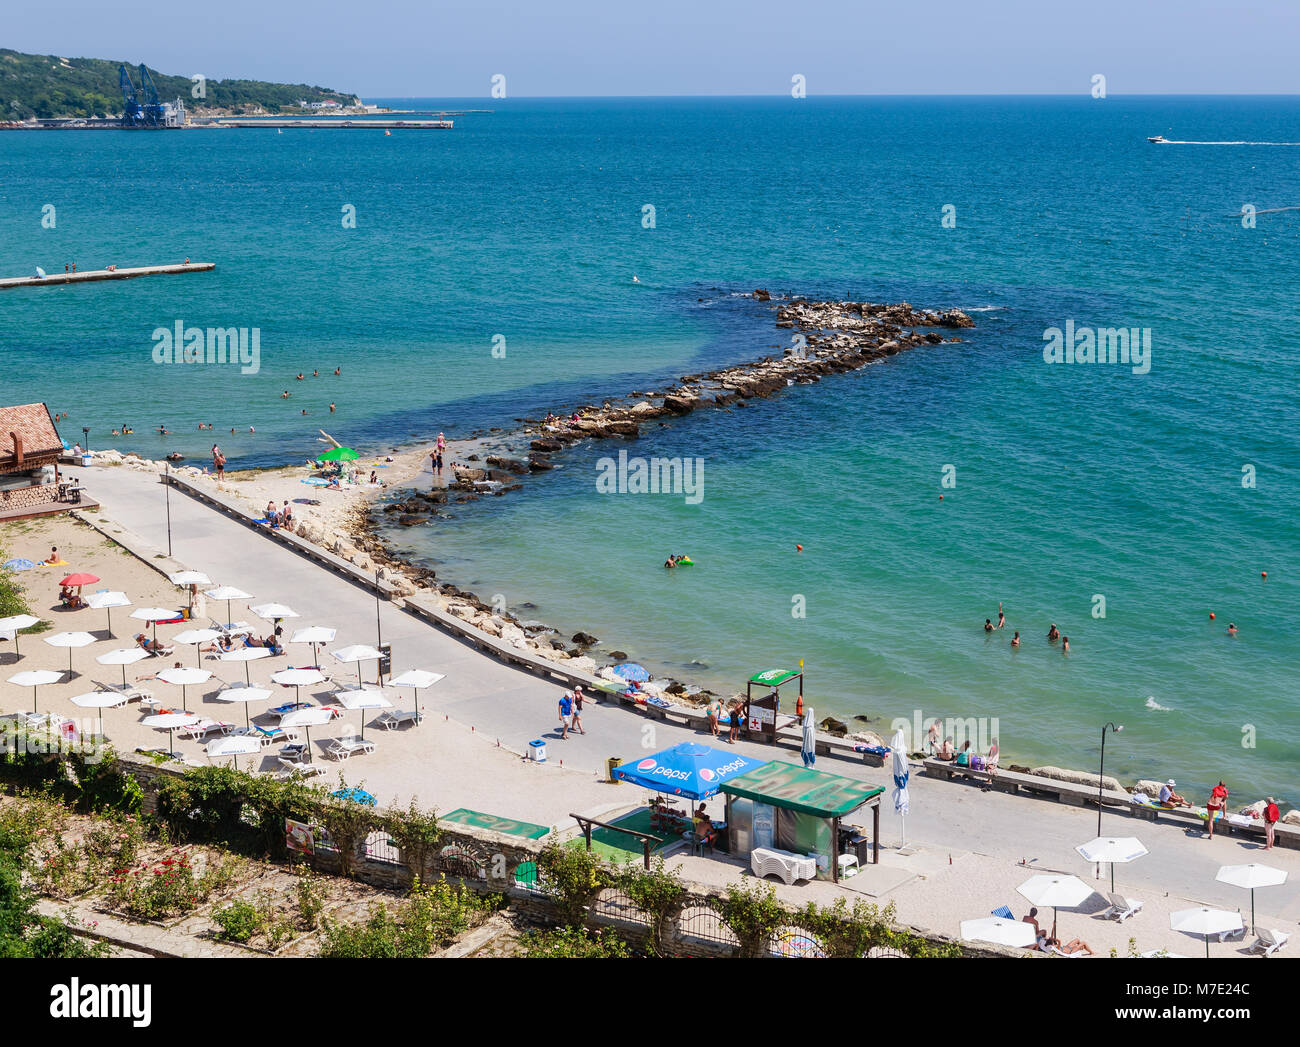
<point x="1215" y="805"/>
<point x="988" y="625"/>
<point x="1015" y="640"/>
<point x="1053" y="634"/>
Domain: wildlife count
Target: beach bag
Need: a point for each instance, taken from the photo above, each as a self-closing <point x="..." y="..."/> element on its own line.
<point x="977" y="762"/>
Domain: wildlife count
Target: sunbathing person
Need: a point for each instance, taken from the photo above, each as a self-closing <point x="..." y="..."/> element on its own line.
<point x="1169" y="798"/>
<point x="946" y="751"/>
<point x="152" y="646"/>
<point x="1075" y="945"/>
<point x="221" y="645"/>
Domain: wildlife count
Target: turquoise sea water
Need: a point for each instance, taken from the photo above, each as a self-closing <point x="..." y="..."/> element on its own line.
<point x="1072" y="481"/>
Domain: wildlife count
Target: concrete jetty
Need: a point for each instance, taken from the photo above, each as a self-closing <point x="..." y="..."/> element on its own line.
<point x="332" y="122"/>
<point x="104" y="274"/>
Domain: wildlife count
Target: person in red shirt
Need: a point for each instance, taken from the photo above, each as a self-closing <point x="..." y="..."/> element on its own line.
<point x="1271" y="816"/>
<point x="1214" y="807"/>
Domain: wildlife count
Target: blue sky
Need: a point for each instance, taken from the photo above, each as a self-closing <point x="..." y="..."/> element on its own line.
<point x="424" y="48"/>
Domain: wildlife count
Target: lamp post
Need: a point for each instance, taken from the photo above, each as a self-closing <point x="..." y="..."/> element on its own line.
<point x="1101" y="770"/>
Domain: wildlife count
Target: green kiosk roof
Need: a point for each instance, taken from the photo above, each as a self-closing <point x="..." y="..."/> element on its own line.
<point x="802" y="789"/>
<point x="774" y="677"/>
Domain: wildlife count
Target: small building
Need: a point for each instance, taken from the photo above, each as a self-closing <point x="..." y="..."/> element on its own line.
<point x="788" y="807"/>
<point x="30" y="446"/>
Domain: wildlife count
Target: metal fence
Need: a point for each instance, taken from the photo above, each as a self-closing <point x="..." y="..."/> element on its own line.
<point x="617" y="905"/>
<point x="702" y="924"/>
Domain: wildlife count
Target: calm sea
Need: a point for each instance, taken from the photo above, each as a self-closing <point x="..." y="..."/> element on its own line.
<point x="1073" y="484"/>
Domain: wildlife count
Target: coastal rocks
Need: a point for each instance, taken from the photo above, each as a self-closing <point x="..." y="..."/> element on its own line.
<point x="679" y="405"/>
<point x="618" y="656"/>
<point x="1292" y="817"/>
<point x="583" y="664"/>
<point x="1077" y="777"/>
<point x="547" y="444"/>
<point x="760" y="295"/>
<point x="834" y="727"/>
<point x="584" y="639"/>
<point x="508" y="465"/>
<point x="538" y="463"/>
<point x="868" y="737"/>
<point x="1148" y="786"/>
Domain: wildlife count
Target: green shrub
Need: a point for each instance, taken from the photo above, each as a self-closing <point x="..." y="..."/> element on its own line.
<point x="574" y="943"/>
<point x="239" y="921"/>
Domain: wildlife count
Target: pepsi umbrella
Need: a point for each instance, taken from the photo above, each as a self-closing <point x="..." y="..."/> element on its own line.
<point x="631" y="672"/>
<point x="356" y="795"/>
<point x="689" y="769"/>
<point x="901" y="773"/>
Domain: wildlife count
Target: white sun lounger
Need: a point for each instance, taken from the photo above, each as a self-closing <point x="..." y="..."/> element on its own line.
<point x="790" y="867"/>
<point x="394" y="718"/>
<point x="1121" y="908"/>
<point x="129" y="691"/>
<point x="342" y="748"/>
<point x="1268" y="942"/>
<point x="298" y="767"/>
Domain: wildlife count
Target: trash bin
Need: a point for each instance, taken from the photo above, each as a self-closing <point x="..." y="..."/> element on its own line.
<point x="85" y="460"/>
<point x="610" y="764"/>
<point x="537" y="750"/>
<point x="862" y="848"/>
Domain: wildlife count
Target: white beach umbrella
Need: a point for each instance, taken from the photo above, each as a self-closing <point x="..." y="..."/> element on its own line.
<point x="247" y="695"/>
<point x="169" y="722"/>
<point x="358" y="653"/>
<point x="1111" y="850"/>
<point x="227" y="593"/>
<point x="1250" y="877"/>
<point x="189" y="578"/>
<point x="808" y="743"/>
<point x="100" y="700"/>
<point x="1060" y="892"/>
<point x="246" y="655"/>
<point x="35" y="678"/>
<point x="307" y="719"/>
<point x="234" y="745"/>
<point x="902" y="771"/>
<point x="153" y="615"/>
<point x="313" y="634"/>
<point x="995" y="929"/>
<point x="70" y="640"/>
<point x="1204" y="922"/>
<point x="197" y="638"/>
<point x="183" y="678"/>
<point x="106" y="602"/>
<point x="122" y="656"/>
<point x="363" y="698"/>
<point x="417" y="678"/>
<point x="297" y="679"/>
<point x="272" y="611"/>
<point x="14" y="623"/>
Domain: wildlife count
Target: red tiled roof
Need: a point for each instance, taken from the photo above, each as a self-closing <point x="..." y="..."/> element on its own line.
<point x="35" y="428"/>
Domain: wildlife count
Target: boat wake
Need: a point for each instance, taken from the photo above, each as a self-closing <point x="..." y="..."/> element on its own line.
<point x="1171" y="141"/>
<point x="1155" y="706"/>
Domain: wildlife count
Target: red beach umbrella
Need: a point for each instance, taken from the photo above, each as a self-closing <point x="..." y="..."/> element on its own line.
<point x="80" y="578"/>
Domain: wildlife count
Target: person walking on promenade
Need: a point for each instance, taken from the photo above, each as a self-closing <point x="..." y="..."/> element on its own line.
<point x="1215" y="805"/>
<point x="566" y="709"/>
<point x="576" y="722"/>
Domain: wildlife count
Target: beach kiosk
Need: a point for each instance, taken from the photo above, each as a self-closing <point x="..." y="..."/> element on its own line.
<point x="764" y="708"/>
<point x="787" y="807"/>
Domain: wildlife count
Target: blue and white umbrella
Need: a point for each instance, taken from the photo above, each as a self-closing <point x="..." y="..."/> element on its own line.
<point x="901" y="773"/>
<point x="808" y="750"/>
<point x="631" y="672"/>
<point x="18" y="565"/>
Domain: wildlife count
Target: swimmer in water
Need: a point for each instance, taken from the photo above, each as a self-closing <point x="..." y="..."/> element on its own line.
<point x="1015" y="640"/>
<point x="331" y="408"/>
<point x="284" y="395"/>
<point x="315" y="374"/>
<point x="338" y="370"/>
<point x="1002" y="618"/>
<point x="1053" y="634"/>
<point x="988" y="625"/>
<point x="670" y="562"/>
<point x="1232" y="629"/>
<point x="1065" y="645"/>
<point x="300" y="376"/>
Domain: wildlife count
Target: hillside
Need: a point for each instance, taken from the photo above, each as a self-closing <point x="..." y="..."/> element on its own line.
<point x="46" y="86"/>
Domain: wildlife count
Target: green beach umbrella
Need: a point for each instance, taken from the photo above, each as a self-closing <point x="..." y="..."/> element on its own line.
<point x="339" y="454"/>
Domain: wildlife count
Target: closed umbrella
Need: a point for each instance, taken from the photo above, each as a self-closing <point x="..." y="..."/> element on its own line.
<point x="227" y="593"/>
<point x="247" y="695"/>
<point x="246" y="655"/>
<point x="808" y="745"/>
<point x="154" y="615"/>
<point x="234" y="745"/>
<point x="307" y="719"/>
<point x="902" y="771"/>
<point x="1015" y="933"/>
<point x="183" y="678"/>
<point x="415" y="679"/>
<point x="1251" y="876"/>
<point x="1060" y="892"/>
<point x="106" y="602"/>
<point x="189" y="578"/>
<point x="197" y="638"/>
<point x="14" y="623"/>
<point x="1111" y="850"/>
<point x="35" y="678"/>
<point x="123" y="656"/>
<point x="364" y="698"/>
<point x="1204" y="922"/>
<point x="169" y="722"/>
<point x="314" y="634"/>
<point x="356" y="653"/>
<point x="70" y="640"/>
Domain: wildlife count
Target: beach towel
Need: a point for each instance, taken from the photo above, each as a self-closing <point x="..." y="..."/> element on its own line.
<point x="314" y="481"/>
<point x="874" y="750"/>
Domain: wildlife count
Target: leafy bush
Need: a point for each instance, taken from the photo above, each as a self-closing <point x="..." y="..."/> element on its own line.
<point x="239" y="921"/>
<point x="573" y="877"/>
<point x="574" y="943"/>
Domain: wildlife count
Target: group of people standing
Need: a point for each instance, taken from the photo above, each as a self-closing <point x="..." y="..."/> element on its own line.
<point x="1053" y="634"/>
